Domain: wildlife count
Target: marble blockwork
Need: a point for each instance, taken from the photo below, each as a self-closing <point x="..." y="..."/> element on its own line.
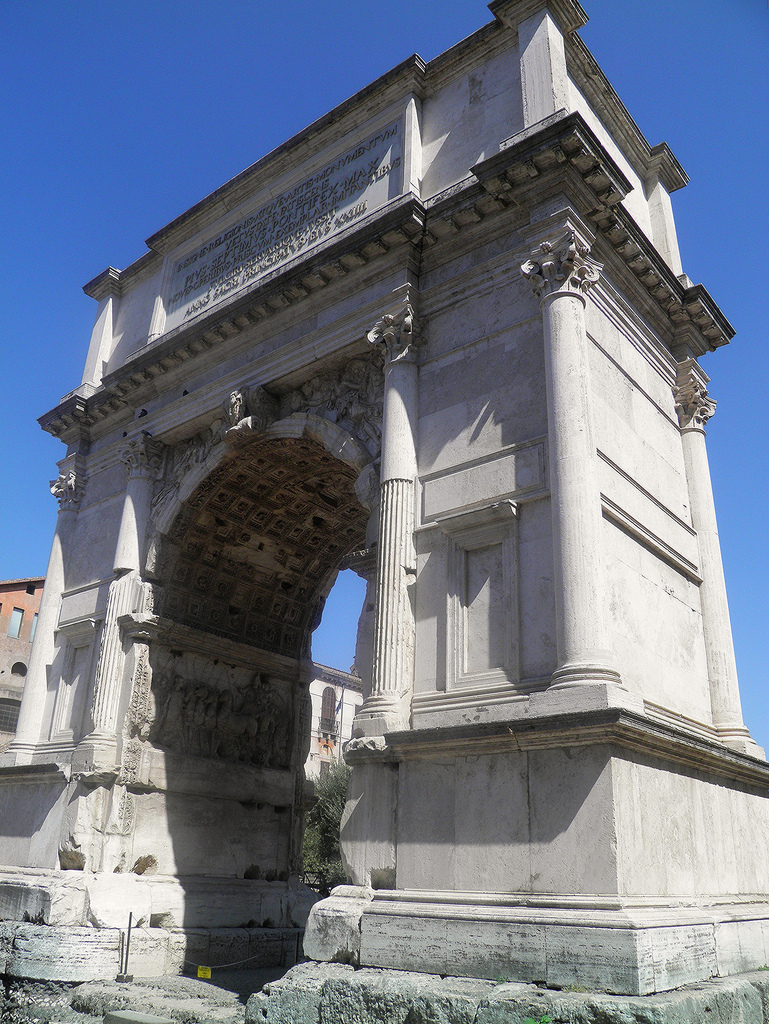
<point x="443" y="337"/>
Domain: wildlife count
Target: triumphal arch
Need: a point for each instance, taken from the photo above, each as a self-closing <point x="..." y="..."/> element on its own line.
<point x="443" y="337"/>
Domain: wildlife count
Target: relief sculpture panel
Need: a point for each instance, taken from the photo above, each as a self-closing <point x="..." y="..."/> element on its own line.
<point x="205" y="708"/>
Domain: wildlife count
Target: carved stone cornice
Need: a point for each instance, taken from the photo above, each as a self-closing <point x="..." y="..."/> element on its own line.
<point x="68" y="489"/>
<point x="561" y="266"/>
<point x="563" y="149"/>
<point x="400" y="225"/>
<point x="693" y="405"/>
<point x="568" y="13"/>
<point x="362" y="563"/>
<point x="143" y="455"/>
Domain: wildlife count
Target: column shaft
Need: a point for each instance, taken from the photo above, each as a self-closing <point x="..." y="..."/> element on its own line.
<point x="143" y="456"/>
<point x="386" y="710"/>
<point x="68" y="489"/>
<point x="694" y="409"/>
<point x="560" y="272"/>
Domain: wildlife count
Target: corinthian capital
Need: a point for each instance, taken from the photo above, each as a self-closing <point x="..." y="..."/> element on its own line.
<point x="561" y="265"/>
<point x="68" y="489"/>
<point x="693" y="406"/>
<point x="143" y="455"/>
<point x="397" y="330"/>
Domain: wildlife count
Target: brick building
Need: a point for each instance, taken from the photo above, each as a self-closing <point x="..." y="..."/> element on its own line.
<point x="19" y="604"/>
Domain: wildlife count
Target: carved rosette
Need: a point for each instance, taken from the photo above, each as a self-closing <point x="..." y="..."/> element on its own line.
<point x="561" y="266"/>
<point x="143" y="455"/>
<point x="693" y="406"/>
<point x="68" y="489"/>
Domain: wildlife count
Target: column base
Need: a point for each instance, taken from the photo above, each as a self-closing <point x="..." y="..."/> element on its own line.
<point x="96" y="752"/>
<point x="17" y="754"/>
<point x="629" y="946"/>
<point x="379" y="716"/>
<point x="586" y="695"/>
<point x="585" y="673"/>
<point x="738" y="738"/>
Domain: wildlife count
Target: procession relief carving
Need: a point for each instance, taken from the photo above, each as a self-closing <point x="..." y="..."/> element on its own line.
<point x="561" y="265"/>
<point x="205" y="708"/>
<point x="693" y="405"/>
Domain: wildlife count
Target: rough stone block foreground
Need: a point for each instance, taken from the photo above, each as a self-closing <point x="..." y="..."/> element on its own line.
<point x="339" y="994"/>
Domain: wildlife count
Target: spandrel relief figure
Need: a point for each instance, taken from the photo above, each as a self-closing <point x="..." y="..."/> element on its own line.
<point x="351" y="396"/>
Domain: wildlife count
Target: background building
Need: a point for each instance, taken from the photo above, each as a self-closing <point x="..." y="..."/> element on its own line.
<point x="19" y="604"/>
<point x="336" y="696"/>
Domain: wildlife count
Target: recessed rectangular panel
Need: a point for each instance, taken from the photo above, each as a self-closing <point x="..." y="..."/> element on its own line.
<point x="485" y="631"/>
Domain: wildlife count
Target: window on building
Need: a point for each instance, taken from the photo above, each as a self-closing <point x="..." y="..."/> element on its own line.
<point x="30" y="588"/>
<point x="19" y="669"/>
<point x="324" y="768"/>
<point x="17" y="617"/>
<point x="34" y="627"/>
<point x="328" y="710"/>
<point x="9" y="715"/>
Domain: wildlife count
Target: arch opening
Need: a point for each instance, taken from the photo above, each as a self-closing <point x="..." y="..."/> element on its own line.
<point x="244" y="571"/>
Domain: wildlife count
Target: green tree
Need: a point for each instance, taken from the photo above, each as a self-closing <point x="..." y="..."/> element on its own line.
<point x="321" y="853"/>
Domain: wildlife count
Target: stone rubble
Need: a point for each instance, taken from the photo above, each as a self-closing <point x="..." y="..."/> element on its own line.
<point x="314" y="993"/>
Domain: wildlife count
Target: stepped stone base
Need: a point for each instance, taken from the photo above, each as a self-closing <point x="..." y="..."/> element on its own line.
<point x="42" y="953"/>
<point x="69" y="925"/>
<point x="624" y="945"/>
<point x="337" y="994"/>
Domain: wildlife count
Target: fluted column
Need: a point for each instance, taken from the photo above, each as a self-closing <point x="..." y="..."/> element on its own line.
<point x="143" y="456"/>
<point x="386" y="709"/>
<point x="68" y="489"/>
<point x="560" y="272"/>
<point x="694" y="408"/>
<point x="127" y="594"/>
<point x="363" y="563"/>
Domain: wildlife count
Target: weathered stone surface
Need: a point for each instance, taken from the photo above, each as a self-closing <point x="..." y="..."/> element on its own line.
<point x="336" y="994"/>
<point x="63" y="954"/>
<point x="59" y="898"/>
<point x="296" y="997"/>
<point x="86" y="954"/>
<point x="333" y="928"/>
<point x="189" y="1000"/>
<point x="134" y="1017"/>
<point x="111" y="898"/>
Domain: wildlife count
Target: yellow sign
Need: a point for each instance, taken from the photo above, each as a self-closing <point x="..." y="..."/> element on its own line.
<point x="204" y="972"/>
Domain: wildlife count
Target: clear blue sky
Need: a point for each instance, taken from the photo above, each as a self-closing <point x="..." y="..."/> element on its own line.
<point x="117" y="116"/>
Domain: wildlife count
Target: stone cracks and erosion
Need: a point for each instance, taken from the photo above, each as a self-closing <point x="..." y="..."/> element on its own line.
<point x="339" y="994"/>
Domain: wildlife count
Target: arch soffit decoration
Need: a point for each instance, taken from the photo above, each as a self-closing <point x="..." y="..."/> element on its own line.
<point x="339" y="442"/>
<point x="268" y="590"/>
